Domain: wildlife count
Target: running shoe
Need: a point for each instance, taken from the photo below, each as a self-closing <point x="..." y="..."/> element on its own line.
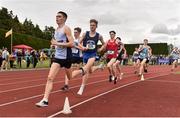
<point x="115" y="80"/>
<point x="81" y="90"/>
<point x="139" y="75"/>
<point x="101" y="66"/>
<point x="42" y="103"/>
<point x="145" y="70"/>
<point x="121" y="75"/>
<point x="110" y="78"/>
<point x="65" y="88"/>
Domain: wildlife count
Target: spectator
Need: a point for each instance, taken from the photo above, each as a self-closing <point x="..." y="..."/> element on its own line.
<point x="27" y="58"/>
<point x="0" y="58"/>
<point x="34" y="55"/>
<point x="12" y="58"/>
<point x="5" y="59"/>
<point x="19" y="58"/>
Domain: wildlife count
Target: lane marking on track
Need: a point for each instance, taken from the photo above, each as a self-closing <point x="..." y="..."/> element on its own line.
<point x="40" y="85"/>
<point x="24" y="78"/>
<point x="17" y="70"/>
<point x="37" y="76"/>
<point x="92" y="98"/>
<point x="28" y="98"/>
<point x="40" y="70"/>
<point x="165" y="81"/>
<point x="55" y="83"/>
<point x="23" y="82"/>
<point x="29" y="80"/>
<point x="32" y="97"/>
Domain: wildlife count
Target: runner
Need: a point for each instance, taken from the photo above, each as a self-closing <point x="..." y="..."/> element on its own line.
<point x="76" y="54"/>
<point x="121" y="55"/>
<point x="145" y="52"/>
<point x="134" y="59"/>
<point x="63" y="41"/>
<point x="175" y="56"/>
<point x="89" y="40"/>
<point x="111" y="47"/>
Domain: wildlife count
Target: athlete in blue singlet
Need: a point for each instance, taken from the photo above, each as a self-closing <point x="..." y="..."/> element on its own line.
<point x="89" y="40"/>
<point x="63" y="41"/>
<point x="134" y="59"/>
<point x="175" y="56"/>
<point x="145" y="52"/>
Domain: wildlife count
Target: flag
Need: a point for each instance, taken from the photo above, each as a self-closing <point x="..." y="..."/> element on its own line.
<point x="8" y="33"/>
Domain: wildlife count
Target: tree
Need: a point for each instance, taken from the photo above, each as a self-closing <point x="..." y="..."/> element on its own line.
<point x="48" y="32"/>
<point x="8" y="20"/>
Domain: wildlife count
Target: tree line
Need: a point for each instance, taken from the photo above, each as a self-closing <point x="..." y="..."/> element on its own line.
<point x="8" y="20"/>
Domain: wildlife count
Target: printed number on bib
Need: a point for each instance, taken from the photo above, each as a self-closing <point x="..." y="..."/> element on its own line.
<point x="110" y="52"/>
<point x="91" y="46"/>
<point x="75" y="50"/>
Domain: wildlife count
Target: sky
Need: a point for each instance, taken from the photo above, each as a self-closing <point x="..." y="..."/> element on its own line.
<point x="133" y="20"/>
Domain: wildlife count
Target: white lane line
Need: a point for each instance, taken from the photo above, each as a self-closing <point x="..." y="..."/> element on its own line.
<point x="92" y="98"/>
<point x="20" y="77"/>
<point x="28" y="98"/>
<point x="23" y="81"/>
<point x="5" y="73"/>
<point x="28" y="77"/>
<point x="165" y="81"/>
<point x="17" y="70"/>
<point x="40" y="85"/>
<point x="32" y="97"/>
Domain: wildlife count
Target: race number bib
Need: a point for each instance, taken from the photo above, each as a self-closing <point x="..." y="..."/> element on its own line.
<point x="91" y="46"/>
<point x="75" y="51"/>
<point x="110" y="52"/>
<point x="142" y="55"/>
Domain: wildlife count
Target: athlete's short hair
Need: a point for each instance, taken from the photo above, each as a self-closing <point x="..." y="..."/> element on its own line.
<point x="94" y="21"/>
<point x="63" y="13"/>
<point x="145" y="39"/>
<point x="78" y="29"/>
<point x="118" y="38"/>
<point x="112" y="32"/>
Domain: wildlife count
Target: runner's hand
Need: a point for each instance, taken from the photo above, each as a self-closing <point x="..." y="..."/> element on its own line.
<point x="53" y="42"/>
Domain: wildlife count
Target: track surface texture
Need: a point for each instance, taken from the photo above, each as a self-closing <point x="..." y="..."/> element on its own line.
<point x="157" y="96"/>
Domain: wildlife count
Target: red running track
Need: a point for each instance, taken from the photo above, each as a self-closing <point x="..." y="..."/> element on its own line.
<point x="156" y="96"/>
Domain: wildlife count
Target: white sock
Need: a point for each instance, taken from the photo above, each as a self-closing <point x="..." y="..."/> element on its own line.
<point x="81" y="89"/>
<point x="112" y="78"/>
<point x="45" y="99"/>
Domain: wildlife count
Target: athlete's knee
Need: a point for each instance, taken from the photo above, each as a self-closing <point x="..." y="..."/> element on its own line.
<point x="142" y="64"/>
<point x="114" y="65"/>
<point x="109" y="65"/>
<point x="90" y="71"/>
<point x="50" y="79"/>
<point x="83" y="71"/>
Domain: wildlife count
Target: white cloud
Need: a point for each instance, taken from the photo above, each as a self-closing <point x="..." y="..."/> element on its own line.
<point x="133" y="20"/>
<point x="162" y="29"/>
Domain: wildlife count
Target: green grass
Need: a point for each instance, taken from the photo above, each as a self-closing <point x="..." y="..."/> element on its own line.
<point x="45" y="64"/>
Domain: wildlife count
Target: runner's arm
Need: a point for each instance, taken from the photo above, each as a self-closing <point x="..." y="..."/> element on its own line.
<point x="103" y="44"/>
<point x="80" y="45"/>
